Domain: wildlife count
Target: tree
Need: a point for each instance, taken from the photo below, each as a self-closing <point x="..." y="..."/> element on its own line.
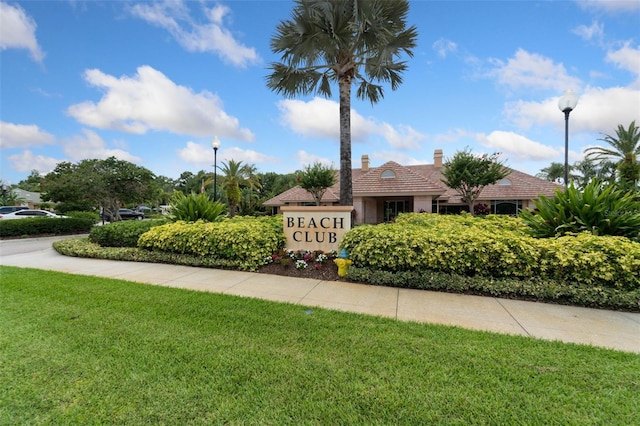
<point x="236" y="175"/>
<point x="625" y="150"/>
<point x="586" y="170"/>
<point x="32" y="182"/>
<point x="109" y="184"/>
<point x="343" y="41"/>
<point x="8" y="197"/>
<point x="553" y="173"/>
<point x="316" y="178"/>
<point x="468" y="174"/>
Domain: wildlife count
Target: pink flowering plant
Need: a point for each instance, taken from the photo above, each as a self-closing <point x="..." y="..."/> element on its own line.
<point x="300" y="258"/>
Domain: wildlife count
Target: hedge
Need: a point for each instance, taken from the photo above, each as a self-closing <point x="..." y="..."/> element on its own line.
<point x="493" y="247"/>
<point x="122" y="234"/>
<point x="44" y="226"/>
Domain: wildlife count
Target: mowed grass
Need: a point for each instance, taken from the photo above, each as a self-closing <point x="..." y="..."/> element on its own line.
<point x="85" y="350"/>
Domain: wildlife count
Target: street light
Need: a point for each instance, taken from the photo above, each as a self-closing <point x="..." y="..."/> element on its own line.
<point x="566" y="104"/>
<point x="215" y="144"/>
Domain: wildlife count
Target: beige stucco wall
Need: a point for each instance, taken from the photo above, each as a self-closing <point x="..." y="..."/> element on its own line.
<point x="315" y="227"/>
<point x="422" y="202"/>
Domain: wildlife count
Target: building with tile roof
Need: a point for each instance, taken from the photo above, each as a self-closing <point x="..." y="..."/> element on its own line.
<point x="381" y="193"/>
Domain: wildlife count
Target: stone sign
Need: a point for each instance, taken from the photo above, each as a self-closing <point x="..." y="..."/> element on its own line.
<point x="315" y="227"/>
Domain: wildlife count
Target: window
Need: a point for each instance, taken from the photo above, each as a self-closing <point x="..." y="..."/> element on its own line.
<point x="504" y="182"/>
<point x="388" y="174"/>
<point x="510" y="207"/>
<point x="393" y="208"/>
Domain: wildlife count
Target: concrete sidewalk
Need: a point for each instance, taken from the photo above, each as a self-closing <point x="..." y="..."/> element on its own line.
<point x="609" y="329"/>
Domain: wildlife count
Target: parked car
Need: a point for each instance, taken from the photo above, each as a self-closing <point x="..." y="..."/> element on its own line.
<point x="26" y="213"/>
<point x="11" y="209"/>
<point x="125" y="214"/>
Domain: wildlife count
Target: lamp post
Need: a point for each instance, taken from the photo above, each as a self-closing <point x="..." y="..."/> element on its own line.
<point x="215" y="144"/>
<point x="566" y="104"/>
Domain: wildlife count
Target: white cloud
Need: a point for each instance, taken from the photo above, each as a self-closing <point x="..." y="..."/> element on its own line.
<point x="91" y="145"/>
<point x="196" y="153"/>
<point x="379" y="158"/>
<point x="530" y="70"/>
<point x="211" y="36"/>
<point x="610" y="5"/>
<point x="443" y="47"/>
<point x="320" y="118"/>
<point x="151" y="101"/>
<point x="626" y="58"/>
<point x="18" y="31"/>
<point x="305" y="159"/>
<point x="26" y="162"/>
<point x="517" y="146"/>
<point x="599" y="110"/>
<point x="22" y="135"/>
<point x="593" y="32"/>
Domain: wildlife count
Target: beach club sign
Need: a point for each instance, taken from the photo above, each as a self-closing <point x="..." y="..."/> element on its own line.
<point x="315" y="227"/>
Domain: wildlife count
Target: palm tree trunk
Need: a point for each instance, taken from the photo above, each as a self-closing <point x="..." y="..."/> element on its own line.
<point x="346" y="190"/>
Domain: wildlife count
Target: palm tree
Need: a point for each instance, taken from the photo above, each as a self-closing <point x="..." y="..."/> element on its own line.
<point x="625" y="148"/>
<point x="235" y="176"/>
<point x="586" y="170"/>
<point x="343" y="41"/>
<point x="553" y="173"/>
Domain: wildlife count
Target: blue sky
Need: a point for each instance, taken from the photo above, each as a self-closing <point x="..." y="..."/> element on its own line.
<point x="154" y="82"/>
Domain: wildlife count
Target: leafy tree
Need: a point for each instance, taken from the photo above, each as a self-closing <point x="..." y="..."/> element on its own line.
<point x="165" y="188"/>
<point x="109" y="183"/>
<point x="274" y="184"/>
<point x="553" y="173"/>
<point x="344" y="42"/>
<point x="624" y="150"/>
<point x="236" y="175"/>
<point x="468" y="174"/>
<point x="32" y="182"/>
<point x="316" y="178"/>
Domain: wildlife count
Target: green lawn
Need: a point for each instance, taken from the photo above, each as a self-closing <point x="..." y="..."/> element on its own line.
<point x="84" y="350"/>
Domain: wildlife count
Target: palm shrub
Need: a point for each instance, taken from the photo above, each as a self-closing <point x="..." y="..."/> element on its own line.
<point x="194" y="207"/>
<point x="599" y="209"/>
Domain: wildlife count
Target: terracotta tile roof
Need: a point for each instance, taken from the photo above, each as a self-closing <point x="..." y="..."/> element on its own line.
<point x="404" y="181"/>
<point x="423" y="179"/>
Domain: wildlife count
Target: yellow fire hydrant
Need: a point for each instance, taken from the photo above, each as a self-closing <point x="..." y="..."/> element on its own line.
<point x="343" y="263"/>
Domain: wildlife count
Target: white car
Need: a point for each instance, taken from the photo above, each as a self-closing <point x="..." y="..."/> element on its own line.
<point x="23" y="214"/>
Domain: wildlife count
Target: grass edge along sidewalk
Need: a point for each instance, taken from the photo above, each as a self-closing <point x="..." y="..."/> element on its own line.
<point x="79" y="349"/>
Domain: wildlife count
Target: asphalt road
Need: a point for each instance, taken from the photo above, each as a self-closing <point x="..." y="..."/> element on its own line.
<point x="29" y="245"/>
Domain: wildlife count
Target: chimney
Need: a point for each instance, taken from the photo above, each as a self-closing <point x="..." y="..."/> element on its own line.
<point x="365" y="163"/>
<point x="437" y="158"/>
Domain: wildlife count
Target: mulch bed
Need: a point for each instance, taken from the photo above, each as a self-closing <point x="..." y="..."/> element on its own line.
<point x="326" y="272"/>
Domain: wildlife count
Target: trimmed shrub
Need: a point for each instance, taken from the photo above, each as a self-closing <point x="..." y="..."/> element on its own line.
<point x="122" y="234"/>
<point x="245" y="242"/>
<point x="587" y="259"/>
<point x="444" y="243"/>
<point x="493" y="247"/>
<point x="44" y="226"/>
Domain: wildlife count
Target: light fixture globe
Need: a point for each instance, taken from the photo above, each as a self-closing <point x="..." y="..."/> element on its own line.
<point x="568" y="101"/>
<point x="215" y="143"/>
